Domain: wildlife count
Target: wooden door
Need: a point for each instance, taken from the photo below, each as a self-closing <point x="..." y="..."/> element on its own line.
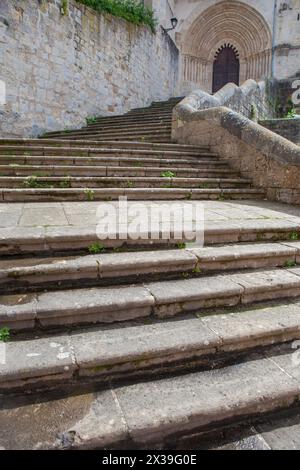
<point x="226" y="68"/>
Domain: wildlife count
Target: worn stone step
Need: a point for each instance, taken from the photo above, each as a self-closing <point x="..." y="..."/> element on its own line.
<point x="138" y="194"/>
<point x="98" y="144"/>
<point x="92" y="170"/>
<point x="131" y="124"/>
<point x="111" y="152"/>
<point x="121" y="181"/>
<point x="161" y="299"/>
<point x="11" y="163"/>
<point x="126" y="127"/>
<point x="156" y="138"/>
<point x="71" y="239"/>
<point x="111" y="268"/>
<point x="120" y="132"/>
<point x="146" y="348"/>
<point x="146" y="414"/>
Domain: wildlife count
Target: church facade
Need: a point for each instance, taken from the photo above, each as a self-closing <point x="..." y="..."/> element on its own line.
<point x="231" y="41"/>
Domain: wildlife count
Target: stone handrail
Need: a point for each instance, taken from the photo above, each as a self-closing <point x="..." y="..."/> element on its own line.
<point x="271" y="161"/>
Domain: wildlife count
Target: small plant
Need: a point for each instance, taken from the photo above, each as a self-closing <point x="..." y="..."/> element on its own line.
<point x="181" y="245"/>
<point x="129" y="184"/>
<point x="291" y="114"/>
<point x="185" y="275"/>
<point x="89" y="194"/>
<point x="64" y="8"/>
<point x="4" y="334"/>
<point x="33" y="182"/>
<point x="290" y="264"/>
<point x="137" y="164"/>
<point x="221" y="197"/>
<point x="294" y="236"/>
<point x="189" y="196"/>
<point x="66" y="183"/>
<point x="96" y="248"/>
<point x="254" y="113"/>
<point x="131" y="10"/>
<point x="168" y="174"/>
<point x="197" y="270"/>
<point x="91" y="120"/>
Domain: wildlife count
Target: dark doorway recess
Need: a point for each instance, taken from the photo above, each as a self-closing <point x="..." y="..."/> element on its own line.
<point x="226" y="67"/>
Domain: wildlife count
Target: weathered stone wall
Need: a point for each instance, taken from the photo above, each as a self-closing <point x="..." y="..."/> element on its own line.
<point x="60" y="69"/>
<point x="272" y="162"/>
<point x="287" y="128"/>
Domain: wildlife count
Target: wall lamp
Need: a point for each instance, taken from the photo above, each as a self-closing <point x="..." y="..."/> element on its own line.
<point x="174" y="22"/>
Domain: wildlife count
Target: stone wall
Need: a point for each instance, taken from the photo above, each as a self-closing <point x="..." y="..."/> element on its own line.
<point x="269" y="160"/>
<point x="288" y="128"/>
<point x="59" y="69"/>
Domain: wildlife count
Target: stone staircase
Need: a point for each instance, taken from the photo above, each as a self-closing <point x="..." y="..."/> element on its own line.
<point x="129" y="343"/>
<point x="130" y="155"/>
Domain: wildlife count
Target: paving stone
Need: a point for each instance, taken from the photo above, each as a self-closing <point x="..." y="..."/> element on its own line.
<point x="172" y="297"/>
<point x="93" y="305"/>
<point x="152" y="413"/>
<point x="136" y="347"/>
<point x="267" y="285"/>
<point x="36" y="361"/>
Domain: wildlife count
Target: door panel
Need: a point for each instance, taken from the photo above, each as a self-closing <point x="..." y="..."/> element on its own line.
<point x="226" y="68"/>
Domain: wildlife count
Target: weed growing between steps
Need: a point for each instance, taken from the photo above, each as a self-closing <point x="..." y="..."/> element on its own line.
<point x="96" y="248"/>
<point x="131" y="10"/>
<point x="4" y="334"/>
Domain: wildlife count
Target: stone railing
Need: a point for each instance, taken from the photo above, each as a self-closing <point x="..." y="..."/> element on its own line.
<point x="271" y="161"/>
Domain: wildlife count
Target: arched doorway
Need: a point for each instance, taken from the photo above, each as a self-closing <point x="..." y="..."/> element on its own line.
<point x="226" y="67"/>
<point x="226" y="22"/>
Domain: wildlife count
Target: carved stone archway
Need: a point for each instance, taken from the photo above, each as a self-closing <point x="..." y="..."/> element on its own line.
<point x="227" y="22"/>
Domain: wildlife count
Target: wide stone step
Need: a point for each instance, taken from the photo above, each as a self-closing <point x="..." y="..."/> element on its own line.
<point x="130" y="124"/>
<point x="156" y="138"/>
<point x="128" y="171"/>
<point x="138" y="194"/>
<point x="159" y="126"/>
<point x="111" y="268"/>
<point x="118" y="132"/>
<point x="145" y="349"/>
<point x="160" y="299"/>
<point x="146" y="414"/>
<point x="29" y="143"/>
<point x="121" y="181"/>
<point x="12" y="163"/>
<point x="68" y="239"/>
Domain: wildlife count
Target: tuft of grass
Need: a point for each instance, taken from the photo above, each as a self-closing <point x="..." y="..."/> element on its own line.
<point x="294" y="236"/>
<point x="64" y="7"/>
<point x="131" y="10"/>
<point x="168" y="174"/>
<point x="4" y="334"/>
<point x="290" y="264"/>
<point x="33" y="182"/>
<point x="181" y="246"/>
<point x="96" y="248"/>
<point x="91" y="120"/>
<point x="90" y="194"/>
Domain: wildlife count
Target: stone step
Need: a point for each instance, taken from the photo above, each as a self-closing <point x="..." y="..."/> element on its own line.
<point x="130" y="124"/>
<point x="138" y="194"/>
<point x="160" y="299"/>
<point x="124" y="267"/>
<point x="124" y="171"/>
<point x="160" y="126"/>
<point x="48" y="182"/>
<point x="119" y="132"/>
<point x="156" y="138"/>
<point x="146" y="414"/>
<point x="202" y="163"/>
<point x="114" y="151"/>
<point x="29" y="143"/>
<point x="145" y="349"/>
<point x="49" y="240"/>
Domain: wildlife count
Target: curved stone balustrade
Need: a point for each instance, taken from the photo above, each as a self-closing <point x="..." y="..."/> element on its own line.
<point x="272" y="161"/>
